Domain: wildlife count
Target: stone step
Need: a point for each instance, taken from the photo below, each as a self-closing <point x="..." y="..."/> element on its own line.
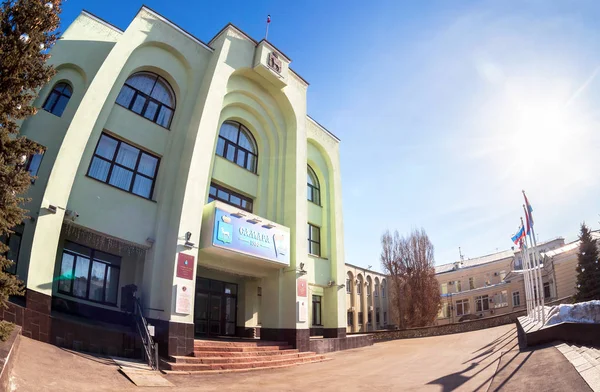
<point x="263" y="358"/>
<point x="228" y="354"/>
<point x="591" y="360"/>
<point x="204" y="372"/>
<point x="240" y="349"/>
<point x="226" y="343"/>
<point x="200" y="367"/>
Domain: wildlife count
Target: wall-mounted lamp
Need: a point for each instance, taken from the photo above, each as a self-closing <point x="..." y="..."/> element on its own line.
<point x="301" y="271"/>
<point x="341" y="286"/>
<point x="188" y="244"/>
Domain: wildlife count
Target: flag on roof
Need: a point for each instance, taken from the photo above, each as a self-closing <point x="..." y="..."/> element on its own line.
<point x="518" y="236"/>
<point x="268" y="18"/>
<point x="528" y="211"/>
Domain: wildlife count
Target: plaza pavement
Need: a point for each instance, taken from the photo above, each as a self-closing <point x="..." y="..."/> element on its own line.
<point x="459" y="362"/>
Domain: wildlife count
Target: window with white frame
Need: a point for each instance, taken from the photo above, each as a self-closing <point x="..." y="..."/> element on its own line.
<point x="482" y="303"/>
<point x="348" y="285"/>
<point x="462" y="307"/>
<point x="501" y="299"/>
<point x="516" y="298"/>
<point x="444" y="288"/>
<point x="359" y="287"/>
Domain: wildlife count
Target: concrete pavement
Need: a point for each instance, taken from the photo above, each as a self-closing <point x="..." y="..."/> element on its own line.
<point x="459" y="362"/>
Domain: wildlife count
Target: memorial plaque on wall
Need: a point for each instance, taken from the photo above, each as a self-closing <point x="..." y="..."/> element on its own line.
<point x="302" y="311"/>
<point x="301" y="288"/>
<point x="183" y="301"/>
<point x="185" y="266"/>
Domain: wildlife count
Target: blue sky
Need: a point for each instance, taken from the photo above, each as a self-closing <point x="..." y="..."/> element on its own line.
<point x="445" y="109"/>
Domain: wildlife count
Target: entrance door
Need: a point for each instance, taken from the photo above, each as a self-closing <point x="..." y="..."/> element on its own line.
<point x="215" y="309"/>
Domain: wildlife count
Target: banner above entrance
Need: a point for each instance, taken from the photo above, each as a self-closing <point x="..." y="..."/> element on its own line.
<point x="241" y="232"/>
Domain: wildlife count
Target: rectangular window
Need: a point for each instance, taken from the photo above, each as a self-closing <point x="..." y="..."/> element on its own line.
<point x="482" y="303"/>
<point x="369" y="318"/>
<point x="13" y="241"/>
<point x="348" y="286"/>
<point x="471" y="284"/>
<point x="349" y="315"/>
<point x="314" y="240"/>
<point x="360" y="318"/>
<point x="259" y="294"/>
<point x="377" y="316"/>
<point x="89" y="274"/>
<point x="458" y="286"/>
<point x="384" y="318"/>
<point x="32" y="165"/>
<point x="462" y="307"/>
<point x="230" y="197"/>
<point x="383" y="291"/>
<point x="444" y="310"/>
<point x="376" y="292"/>
<point x="316" y="310"/>
<point x="547" y="293"/>
<point x="516" y="298"/>
<point x="501" y="299"/>
<point x="444" y="288"/>
<point x="368" y="289"/>
<point x="359" y="288"/>
<point x="124" y="166"/>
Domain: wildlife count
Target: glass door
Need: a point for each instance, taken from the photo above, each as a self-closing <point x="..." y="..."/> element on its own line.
<point x="215" y="308"/>
<point x="201" y="314"/>
<point x="215" y="314"/>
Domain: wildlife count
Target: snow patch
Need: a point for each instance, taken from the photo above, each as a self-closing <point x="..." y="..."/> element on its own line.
<point x="582" y="312"/>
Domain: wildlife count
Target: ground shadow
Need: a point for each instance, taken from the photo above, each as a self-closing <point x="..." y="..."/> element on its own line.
<point x="454" y="380"/>
<point x="102" y="359"/>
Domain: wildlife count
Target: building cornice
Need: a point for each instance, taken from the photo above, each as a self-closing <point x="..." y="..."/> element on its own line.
<point x="101" y="21"/>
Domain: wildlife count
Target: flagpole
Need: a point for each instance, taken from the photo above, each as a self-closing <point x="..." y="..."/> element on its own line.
<point x="529" y="290"/>
<point x="538" y="269"/>
<point x="268" y="23"/>
<point x="526" y="279"/>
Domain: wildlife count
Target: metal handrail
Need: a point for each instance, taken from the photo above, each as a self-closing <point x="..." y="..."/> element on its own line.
<point x="150" y="347"/>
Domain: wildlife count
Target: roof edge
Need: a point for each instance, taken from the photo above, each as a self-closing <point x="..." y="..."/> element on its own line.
<point x="176" y="27"/>
<point x="323" y="128"/>
<point x="100" y="20"/>
<point x="365" y="269"/>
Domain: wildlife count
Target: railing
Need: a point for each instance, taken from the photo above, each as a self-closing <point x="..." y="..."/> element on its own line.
<point x="150" y="347"/>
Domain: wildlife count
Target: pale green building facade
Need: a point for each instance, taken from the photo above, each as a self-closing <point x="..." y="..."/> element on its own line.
<point x="190" y="170"/>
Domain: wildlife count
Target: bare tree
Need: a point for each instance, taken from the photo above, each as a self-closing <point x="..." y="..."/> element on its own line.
<point x="410" y="264"/>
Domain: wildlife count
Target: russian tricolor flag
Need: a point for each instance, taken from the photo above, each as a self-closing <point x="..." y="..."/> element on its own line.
<point x="519" y="236"/>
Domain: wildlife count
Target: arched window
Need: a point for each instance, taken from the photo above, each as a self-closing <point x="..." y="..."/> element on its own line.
<point x="237" y="145"/>
<point x="314" y="191"/>
<point x="58" y="99"/>
<point x="149" y="95"/>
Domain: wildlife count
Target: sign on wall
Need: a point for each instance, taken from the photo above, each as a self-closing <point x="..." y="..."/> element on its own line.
<point x="301" y="288"/>
<point x="185" y="266"/>
<point x="302" y="311"/>
<point x="240" y="235"/>
<point x="183" y="299"/>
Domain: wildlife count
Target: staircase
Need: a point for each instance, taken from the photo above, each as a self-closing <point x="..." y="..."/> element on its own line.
<point x="586" y="361"/>
<point x="222" y="356"/>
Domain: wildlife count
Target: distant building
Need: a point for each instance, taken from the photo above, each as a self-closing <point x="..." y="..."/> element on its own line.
<point x="367" y="299"/>
<point x="489" y="285"/>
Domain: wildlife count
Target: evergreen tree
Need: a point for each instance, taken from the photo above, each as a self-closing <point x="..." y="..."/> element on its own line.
<point x="588" y="272"/>
<point x="28" y="31"/>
